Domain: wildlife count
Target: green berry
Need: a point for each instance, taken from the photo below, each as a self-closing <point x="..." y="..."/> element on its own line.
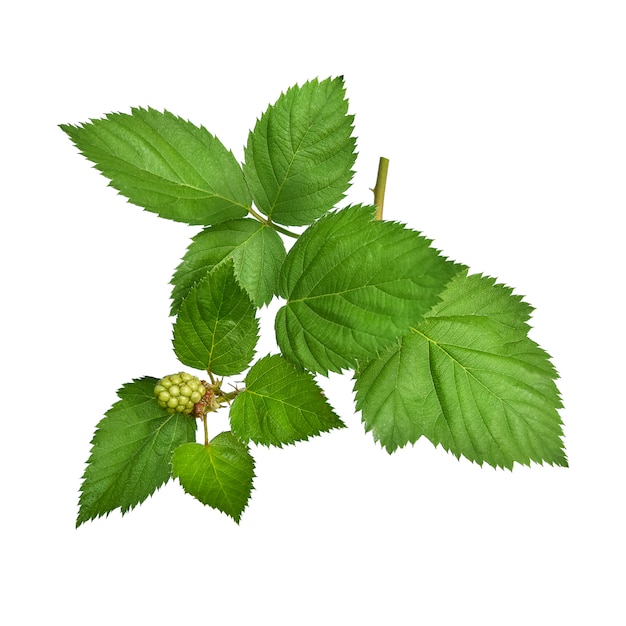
<point x="179" y="392"/>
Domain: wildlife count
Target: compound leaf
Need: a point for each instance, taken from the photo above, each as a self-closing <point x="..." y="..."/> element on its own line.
<point x="166" y="165"/>
<point x="219" y="475"/>
<point x="256" y="250"/>
<point x="299" y="157"/>
<point x="132" y="450"/>
<point x="216" y="328"/>
<point x="467" y="377"/>
<point x="280" y="405"/>
<point x="353" y="285"/>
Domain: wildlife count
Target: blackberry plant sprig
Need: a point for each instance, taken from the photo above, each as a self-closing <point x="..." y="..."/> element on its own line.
<point x="434" y="351"/>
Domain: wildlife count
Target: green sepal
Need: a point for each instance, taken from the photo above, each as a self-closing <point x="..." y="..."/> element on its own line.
<point x="166" y="165"/>
<point x="216" y="328"/>
<point x="468" y="378"/>
<point x="281" y="404"/>
<point x="256" y="250"/>
<point x="299" y="157"/>
<point x="131" y="451"/>
<point x="219" y="475"/>
<point x="352" y="286"/>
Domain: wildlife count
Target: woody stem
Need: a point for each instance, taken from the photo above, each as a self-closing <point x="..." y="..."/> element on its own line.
<point x="379" y="188"/>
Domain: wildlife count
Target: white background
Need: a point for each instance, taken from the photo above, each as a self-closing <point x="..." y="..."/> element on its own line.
<point x="505" y="126"/>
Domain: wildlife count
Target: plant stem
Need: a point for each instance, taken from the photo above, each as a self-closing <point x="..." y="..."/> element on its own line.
<point x="230" y="396"/>
<point x="379" y="188"/>
<point x="206" y="430"/>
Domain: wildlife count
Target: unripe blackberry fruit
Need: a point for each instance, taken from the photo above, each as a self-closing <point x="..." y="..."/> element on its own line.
<point x="179" y="392"/>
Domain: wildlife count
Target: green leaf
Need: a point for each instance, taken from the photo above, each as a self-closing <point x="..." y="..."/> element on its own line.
<point x="219" y="475"/>
<point x="469" y="378"/>
<point x="353" y="285"/>
<point x="166" y="165"/>
<point x="280" y="405"/>
<point x="132" y="450"/>
<point x="216" y="328"/>
<point x="257" y="252"/>
<point x="299" y="157"/>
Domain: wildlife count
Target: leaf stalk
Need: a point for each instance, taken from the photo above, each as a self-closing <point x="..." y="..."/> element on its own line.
<point x="268" y="222"/>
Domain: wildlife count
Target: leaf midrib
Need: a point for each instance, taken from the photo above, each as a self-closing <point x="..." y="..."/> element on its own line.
<point x="469" y="373"/>
<point x="208" y="192"/>
<point x="286" y="175"/>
